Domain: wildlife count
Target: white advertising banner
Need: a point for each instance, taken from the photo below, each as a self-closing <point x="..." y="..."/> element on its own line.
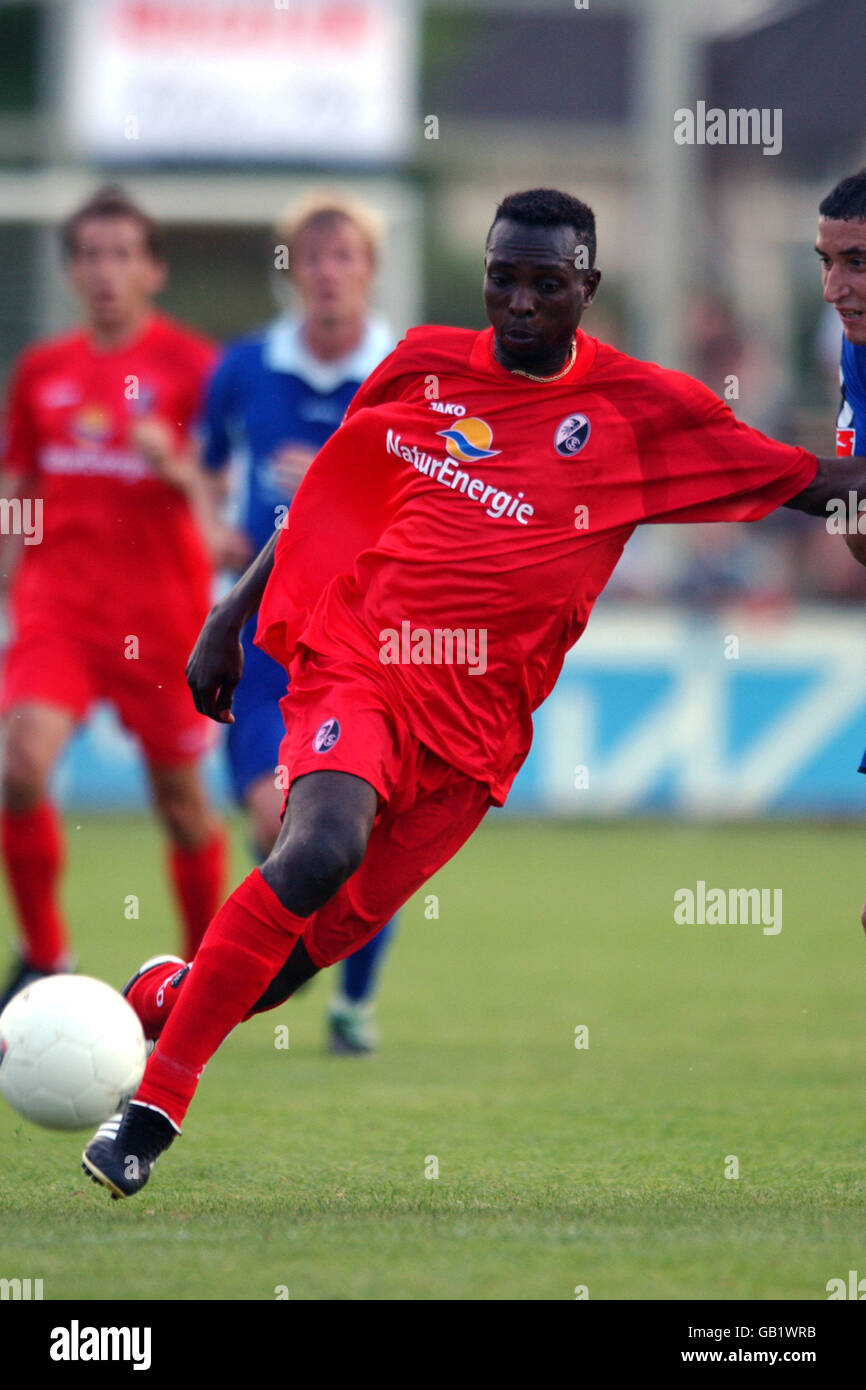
<point x="733" y="714"/>
<point x="657" y="711"/>
<point x="271" y="80"/>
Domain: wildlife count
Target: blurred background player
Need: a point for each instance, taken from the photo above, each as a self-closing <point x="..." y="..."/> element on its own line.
<point x="108" y="605"/>
<point x="274" y="399"/>
<point x="841" y="248"/>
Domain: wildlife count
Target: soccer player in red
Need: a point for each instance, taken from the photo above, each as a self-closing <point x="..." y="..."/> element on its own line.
<point x="476" y="498"/>
<point x="109" y="601"/>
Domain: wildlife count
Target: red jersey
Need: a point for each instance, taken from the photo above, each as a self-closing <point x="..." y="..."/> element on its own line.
<point x="120" y="552"/>
<point x="460" y="498"/>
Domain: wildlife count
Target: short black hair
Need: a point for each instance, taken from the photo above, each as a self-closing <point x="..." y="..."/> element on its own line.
<point x="548" y="207"/>
<point x="107" y="202"/>
<point x="847" y="201"/>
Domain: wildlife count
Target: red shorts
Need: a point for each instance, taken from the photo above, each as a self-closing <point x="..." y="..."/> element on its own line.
<point x="151" y="697"/>
<point x="342" y="716"/>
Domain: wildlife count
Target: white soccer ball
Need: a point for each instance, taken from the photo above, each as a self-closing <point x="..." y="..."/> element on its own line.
<point x="71" y="1052"/>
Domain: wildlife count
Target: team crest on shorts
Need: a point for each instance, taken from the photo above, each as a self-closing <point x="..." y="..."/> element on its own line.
<point x="326" y="736"/>
<point x="571" y="435"/>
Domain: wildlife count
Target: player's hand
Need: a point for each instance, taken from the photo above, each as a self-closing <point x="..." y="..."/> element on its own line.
<point x="289" y="464"/>
<point x="215" y="667"/>
<point x="229" y="548"/>
<point x="857" y="545"/>
<point x="155" y="439"/>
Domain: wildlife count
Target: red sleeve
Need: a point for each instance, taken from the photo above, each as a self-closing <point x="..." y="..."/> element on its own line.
<point x="19" y="450"/>
<point x="387" y="381"/>
<point x="352" y="505"/>
<point x="699" y="463"/>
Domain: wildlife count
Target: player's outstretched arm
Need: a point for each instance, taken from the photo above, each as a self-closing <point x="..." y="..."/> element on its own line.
<point x="832" y="485"/>
<point x="216" y="663"/>
<point x="835" y="480"/>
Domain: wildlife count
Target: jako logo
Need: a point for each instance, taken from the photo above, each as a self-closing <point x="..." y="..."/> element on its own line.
<point x="326" y="735"/>
<point x="75" y="1343"/>
<point x="448" y="407"/>
<point x="856" y="1287"/>
<point x="20" y="1288"/>
<point x="469" y="441"/>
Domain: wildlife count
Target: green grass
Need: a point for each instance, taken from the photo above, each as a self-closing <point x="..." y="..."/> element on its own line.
<point x="557" y="1166"/>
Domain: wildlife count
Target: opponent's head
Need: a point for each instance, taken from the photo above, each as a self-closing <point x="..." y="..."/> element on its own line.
<point x="539" y="277"/>
<point x="332" y="247"/>
<point x="841" y="246"/>
<point x="114" y="259"/>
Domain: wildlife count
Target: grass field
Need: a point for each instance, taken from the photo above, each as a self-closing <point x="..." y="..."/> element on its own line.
<point x="558" y="1167"/>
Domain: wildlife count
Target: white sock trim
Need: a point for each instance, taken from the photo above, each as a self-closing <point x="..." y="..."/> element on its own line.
<point x="145" y="1105"/>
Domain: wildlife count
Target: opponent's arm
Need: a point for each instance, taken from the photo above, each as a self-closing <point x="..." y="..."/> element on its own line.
<point x="216" y="663"/>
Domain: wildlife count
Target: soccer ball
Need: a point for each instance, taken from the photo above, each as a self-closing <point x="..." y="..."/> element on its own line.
<point x="71" y="1052"/>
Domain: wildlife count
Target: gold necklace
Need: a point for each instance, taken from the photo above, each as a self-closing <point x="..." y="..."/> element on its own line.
<point x="518" y="371"/>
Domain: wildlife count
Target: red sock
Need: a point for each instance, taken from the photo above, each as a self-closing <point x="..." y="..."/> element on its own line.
<point x="198" y="876"/>
<point x="244" y="947"/>
<point x="33" y="854"/>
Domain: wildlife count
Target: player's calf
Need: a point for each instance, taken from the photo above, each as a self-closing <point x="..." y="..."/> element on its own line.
<point x="297" y="971"/>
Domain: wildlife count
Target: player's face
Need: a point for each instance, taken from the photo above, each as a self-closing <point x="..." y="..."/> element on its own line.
<point x="841" y="248"/>
<point x="112" y="271"/>
<point x="535" y="294"/>
<point x="332" y="271"/>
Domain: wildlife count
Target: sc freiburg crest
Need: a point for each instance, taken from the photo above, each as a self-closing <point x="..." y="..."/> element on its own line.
<point x="326" y="735"/>
<point x="571" y="435"/>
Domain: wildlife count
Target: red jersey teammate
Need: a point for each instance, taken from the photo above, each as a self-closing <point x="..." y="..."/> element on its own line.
<point x="476" y="498"/>
<point x="109" y="603"/>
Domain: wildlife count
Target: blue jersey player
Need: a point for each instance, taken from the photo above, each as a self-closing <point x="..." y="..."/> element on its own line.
<point x="274" y="399"/>
<point x="841" y="247"/>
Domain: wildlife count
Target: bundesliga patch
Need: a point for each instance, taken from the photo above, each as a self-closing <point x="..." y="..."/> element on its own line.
<point x="844" y="444"/>
<point x="571" y="435"/>
<point x="326" y="736"/>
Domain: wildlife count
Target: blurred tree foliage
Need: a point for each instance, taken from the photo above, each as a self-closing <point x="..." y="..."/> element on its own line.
<point x="20" y="27"/>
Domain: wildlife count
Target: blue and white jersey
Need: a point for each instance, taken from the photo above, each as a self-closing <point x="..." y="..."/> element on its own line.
<point x="851" y="421"/>
<point x="268" y="391"/>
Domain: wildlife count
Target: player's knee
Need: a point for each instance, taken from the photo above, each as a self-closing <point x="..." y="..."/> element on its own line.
<point x="187" y="818"/>
<point x="311" y="864"/>
<point x="341" y="843"/>
<point x="25" y="777"/>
